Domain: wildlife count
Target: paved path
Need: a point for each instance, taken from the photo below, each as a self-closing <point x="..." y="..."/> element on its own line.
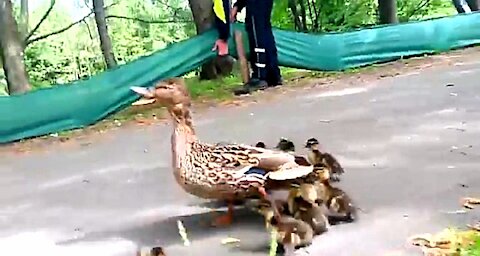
<point x="394" y="137"/>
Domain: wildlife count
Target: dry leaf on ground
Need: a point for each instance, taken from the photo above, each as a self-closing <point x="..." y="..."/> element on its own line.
<point x="445" y="243"/>
<point x="183" y="233"/>
<point x="230" y="240"/>
<point x="470" y="202"/>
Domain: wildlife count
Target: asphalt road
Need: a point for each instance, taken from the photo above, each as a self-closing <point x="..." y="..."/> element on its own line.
<point x="409" y="145"/>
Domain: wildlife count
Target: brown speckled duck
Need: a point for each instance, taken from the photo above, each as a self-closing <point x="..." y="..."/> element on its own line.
<point x="222" y="171"/>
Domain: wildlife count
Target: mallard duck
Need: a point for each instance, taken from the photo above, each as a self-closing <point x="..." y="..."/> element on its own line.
<point x="316" y="157"/>
<point x="219" y="171"/>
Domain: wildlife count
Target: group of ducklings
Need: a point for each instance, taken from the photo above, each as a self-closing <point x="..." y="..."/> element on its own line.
<point x="310" y="208"/>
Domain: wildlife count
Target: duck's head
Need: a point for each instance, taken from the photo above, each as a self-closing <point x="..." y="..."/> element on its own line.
<point x="168" y="92"/>
<point x="285" y="144"/>
<point x="312" y="143"/>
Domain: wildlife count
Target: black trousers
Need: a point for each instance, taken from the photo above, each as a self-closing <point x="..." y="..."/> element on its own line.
<point x="472" y="4"/>
<point x="224" y="27"/>
<point x="263" y="50"/>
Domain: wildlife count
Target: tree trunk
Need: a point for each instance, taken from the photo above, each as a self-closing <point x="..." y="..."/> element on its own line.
<point x="24" y="15"/>
<point x="292" y="4"/>
<point x="12" y="51"/>
<point x="387" y="10"/>
<point x="303" y="12"/>
<point x="105" y="41"/>
<point x="203" y="16"/>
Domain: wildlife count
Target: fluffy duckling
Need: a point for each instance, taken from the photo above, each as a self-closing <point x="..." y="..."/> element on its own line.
<point x="303" y="204"/>
<point x="340" y="206"/>
<point x="291" y="232"/>
<point x="155" y="251"/>
<point x="316" y="157"/>
<point x="285" y="145"/>
<point x="260" y="144"/>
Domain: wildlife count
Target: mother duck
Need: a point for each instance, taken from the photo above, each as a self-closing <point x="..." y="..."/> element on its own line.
<point x="223" y="171"/>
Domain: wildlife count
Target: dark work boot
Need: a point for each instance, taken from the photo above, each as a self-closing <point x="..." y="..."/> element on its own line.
<point x="277" y="82"/>
<point x="251" y="86"/>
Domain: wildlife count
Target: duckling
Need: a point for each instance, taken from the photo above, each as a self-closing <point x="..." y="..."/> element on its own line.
<point x="155" y="251"/>
<point x="264" y="207"/>
<point x="340" y="206"/>
<point x="289" y="147"/>
<point x="303" y="204"/>
<point x="314" y="215"/>
<point x="260" y="144"/>
<point x="285" y="145"/>
<point x="315" y="157"/>
<point x="291" y="231"/>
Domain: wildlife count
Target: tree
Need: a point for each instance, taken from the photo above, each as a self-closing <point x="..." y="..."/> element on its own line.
<point x="12" y="51"/>
<point x="24" y="15"/>
<point x="387" y="10"/>
<point x="105" y="41"/>
<point x="203" y="16"/>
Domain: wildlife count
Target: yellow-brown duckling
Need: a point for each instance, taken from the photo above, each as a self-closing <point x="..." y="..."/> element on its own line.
<point x="318" y="158"/>
<point x="303" y="204"/>
<point x="340" y="206"/>
<point x="291" y="232"/>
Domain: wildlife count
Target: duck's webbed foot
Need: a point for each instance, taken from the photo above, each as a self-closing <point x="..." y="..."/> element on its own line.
<point x="224" y="219"/>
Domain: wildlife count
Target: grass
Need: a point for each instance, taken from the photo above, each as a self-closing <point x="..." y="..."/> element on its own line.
<point x="474" y="249"/>
<point x="218" y="90"/>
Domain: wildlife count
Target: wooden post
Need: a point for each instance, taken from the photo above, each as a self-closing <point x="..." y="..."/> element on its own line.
<point x="244" y="70"/>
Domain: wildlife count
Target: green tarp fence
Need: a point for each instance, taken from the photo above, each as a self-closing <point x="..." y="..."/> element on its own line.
<point x="86" y="102"/>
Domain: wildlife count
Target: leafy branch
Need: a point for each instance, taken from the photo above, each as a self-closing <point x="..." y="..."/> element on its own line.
<point x="58" y="31"/>
<point x="29" y="41"/>
<point x="420" y="6"/>
<point x="44" y="17"/>
<point x="148" y="21"/>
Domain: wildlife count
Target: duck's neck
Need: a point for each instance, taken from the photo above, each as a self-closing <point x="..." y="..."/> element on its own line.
<point x="183" y="135"/>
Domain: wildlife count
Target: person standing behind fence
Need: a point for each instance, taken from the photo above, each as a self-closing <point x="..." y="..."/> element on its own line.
<point x="263" y="51"/>
<point x="221" y="8"/>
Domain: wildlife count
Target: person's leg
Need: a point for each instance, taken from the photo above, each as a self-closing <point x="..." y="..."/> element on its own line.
<point x="273" y="70"/>
<point x="221" y="9"/>
<point x="255" y="27"/>
<point x="461" y="6"/>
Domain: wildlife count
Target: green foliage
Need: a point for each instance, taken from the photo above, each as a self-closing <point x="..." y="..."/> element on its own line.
<point x="150" y="25"/>
<point x="344" y="15"/>
<point x="473" y="250"/>
<point x="147" y="26"/>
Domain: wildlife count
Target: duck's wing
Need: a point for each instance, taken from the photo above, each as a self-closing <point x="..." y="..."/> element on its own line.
<point x="277" y="165"/>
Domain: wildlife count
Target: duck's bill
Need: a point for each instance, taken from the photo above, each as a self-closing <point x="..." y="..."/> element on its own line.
<point x="143" y="101"/>
<point x="147" y="94"/>
<point x="144" y="92"/>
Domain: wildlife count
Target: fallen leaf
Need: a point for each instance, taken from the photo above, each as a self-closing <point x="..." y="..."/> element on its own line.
<point x="230" y="240"/>
<point x="475" y="226"/>
<point x="325" y="121"/>
<point x="470" y="202"/>
<point x="273" y="242"/>
<point x="183" y="233"/>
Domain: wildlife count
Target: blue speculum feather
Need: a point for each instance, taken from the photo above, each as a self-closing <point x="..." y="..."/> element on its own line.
<point x="256" y="170"/>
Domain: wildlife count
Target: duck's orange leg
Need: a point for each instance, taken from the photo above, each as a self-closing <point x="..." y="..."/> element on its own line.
<point x="225" y="219"/>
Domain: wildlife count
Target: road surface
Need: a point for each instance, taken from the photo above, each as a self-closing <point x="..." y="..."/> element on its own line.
<point x="409" y="145"/>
